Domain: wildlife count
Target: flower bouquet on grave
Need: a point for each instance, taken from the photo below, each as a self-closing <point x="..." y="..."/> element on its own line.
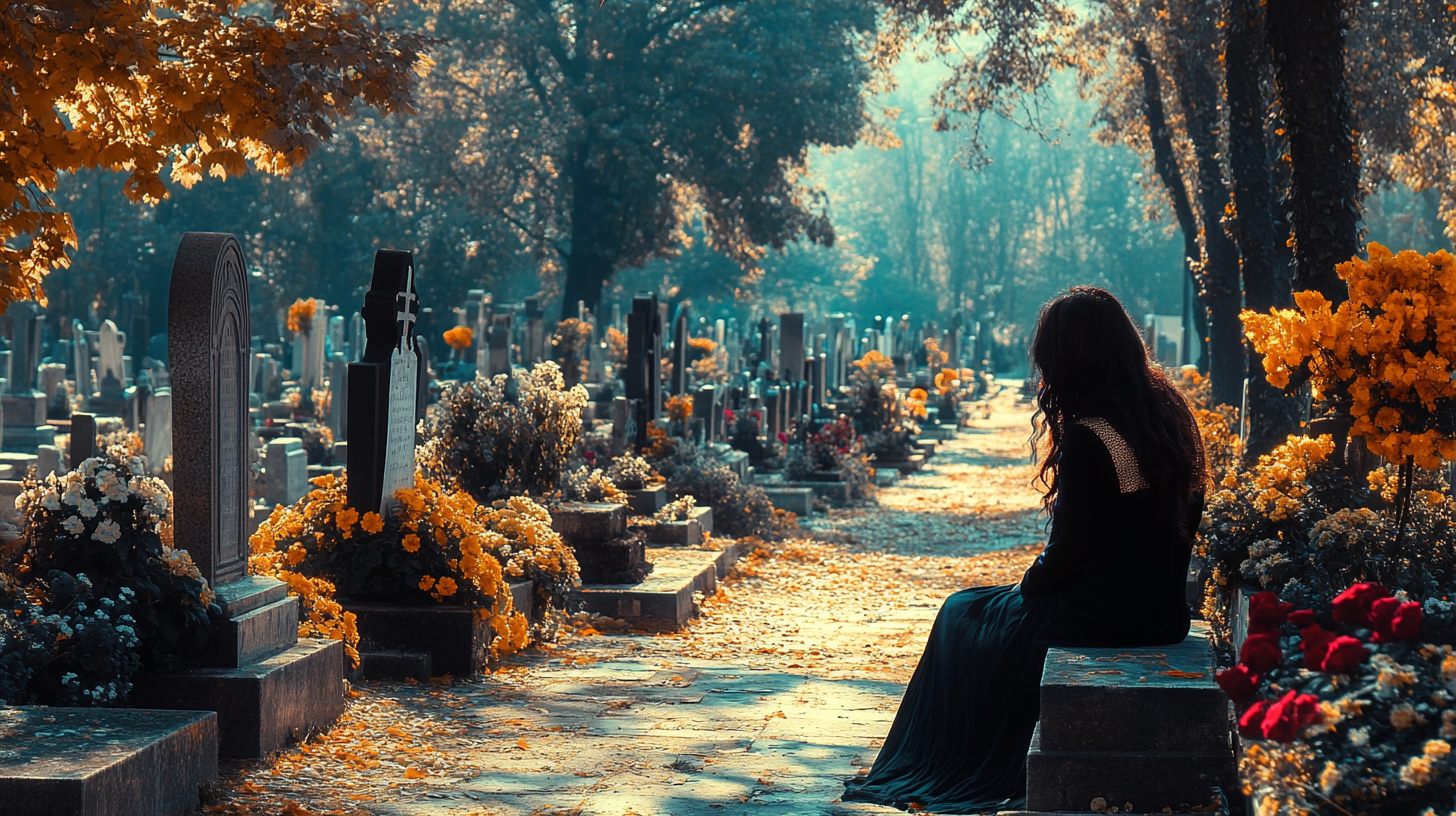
<point x="96" y="542"/>
<point x="438" y="547"/>
<point x="831" y="452"/>
<point x="1345" y="710"/>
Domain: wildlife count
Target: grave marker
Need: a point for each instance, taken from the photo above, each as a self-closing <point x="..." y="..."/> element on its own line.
<point x="23" y="408"/>
<point x="157" y="434"/>
<point x="791" y="347"/>
<point x="381" y="387"/>
<point x="83" y="438"/>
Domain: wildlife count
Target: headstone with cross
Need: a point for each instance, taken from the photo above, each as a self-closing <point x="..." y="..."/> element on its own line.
<point x="382" y="387"/>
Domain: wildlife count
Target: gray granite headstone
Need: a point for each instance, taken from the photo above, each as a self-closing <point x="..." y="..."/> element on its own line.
<point x="680" y="379"/>
<point x="47" y="461"/>
<point x="791" y="347"/>
<point x="381" y="387"/>
<point x="498" y="351"/>
<point x="208" y="351"/>
<point x="339" y="397"/>
<point x="111" y="345"/>
<point x="287" y="464"/>
<point x="24" y="407"/>
<point x="157" y="432"/>
<point x="81" y="359"/>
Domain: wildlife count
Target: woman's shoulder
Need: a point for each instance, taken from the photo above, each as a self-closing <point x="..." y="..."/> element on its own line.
<point x="1089" y="434"/>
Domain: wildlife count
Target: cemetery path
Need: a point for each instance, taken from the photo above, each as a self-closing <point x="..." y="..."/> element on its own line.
<point x="779" y="690"/>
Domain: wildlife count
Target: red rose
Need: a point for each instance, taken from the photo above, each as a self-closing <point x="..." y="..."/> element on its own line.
<point x="1302" y="618"/>
<point x="1281" y="721"/>
<point x="1382" y="610"/>
<point x="1238" y="683"/>
<point x="1261" y="653"/>
<point x="1343" y="655"/>
<point x="1315" y="641"/>
<point x="783" y="437"/>
<point x="1405" y="624"/>
<point x="1267" y="613"/>
<point x="1352" y="605"/>
<point x="1251" y="720"/>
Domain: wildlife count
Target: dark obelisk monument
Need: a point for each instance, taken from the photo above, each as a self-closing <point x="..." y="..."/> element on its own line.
<point x="263" y="681"/>
<point x="383" y="387"/>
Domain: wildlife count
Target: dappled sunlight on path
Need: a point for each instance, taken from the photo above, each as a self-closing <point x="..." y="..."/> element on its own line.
<point x="781" y="688"/>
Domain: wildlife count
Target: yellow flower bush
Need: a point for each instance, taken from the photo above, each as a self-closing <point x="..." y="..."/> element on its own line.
<point x="1390" y="348"/>
<point x="440" y="546"/>
<point x="300" y="315"/>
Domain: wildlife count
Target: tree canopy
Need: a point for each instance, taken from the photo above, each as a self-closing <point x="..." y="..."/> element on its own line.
<point x="182" y="87"/>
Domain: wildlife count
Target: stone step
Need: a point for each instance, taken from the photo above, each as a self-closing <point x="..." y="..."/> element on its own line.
<point x="1147" y="699"/>
<point x="259" y="706"/>
<point x="104" y="762"/>
<point x="395" y="666"/>
<point x="665" y="599"/>
<point x="456" y="639"/>
<point x="1062" y="781"/>
<point x="254" y="635"/>
<point x="796" y="500"/>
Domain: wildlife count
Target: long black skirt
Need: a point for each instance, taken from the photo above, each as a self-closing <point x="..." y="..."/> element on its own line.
<point x="960" y="738"/>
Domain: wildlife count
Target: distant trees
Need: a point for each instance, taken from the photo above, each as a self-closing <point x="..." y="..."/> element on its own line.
<point x="184" y="87"/>
<point x="1276" y="96"/>
<point x="598" y="131"/>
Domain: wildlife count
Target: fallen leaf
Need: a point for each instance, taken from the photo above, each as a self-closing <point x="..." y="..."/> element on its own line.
<point x="414" y="772"/>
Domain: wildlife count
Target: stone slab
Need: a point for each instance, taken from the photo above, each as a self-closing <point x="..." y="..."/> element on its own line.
<point x="665" y="598"/>
<point x="797" y="500"/>
<point x="395" y="665"/>
<point x="687" y="533"/>
<point x="104" y="762"/>
<point x="1148" y="699"/>
<point x="584" y="521"/>
<point x="455" y="637"/>
<point x="833" y="491"/>
<point x="248" y="593"/>
<point x="1148" y="780"/>
<point x="910" y="464"/>
<point x="260" y="706"/>
<point x="648" y="500"/>
<point x="254" y="635"/>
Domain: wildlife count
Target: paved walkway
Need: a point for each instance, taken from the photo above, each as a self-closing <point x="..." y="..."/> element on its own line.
<point x="781" y="689"/>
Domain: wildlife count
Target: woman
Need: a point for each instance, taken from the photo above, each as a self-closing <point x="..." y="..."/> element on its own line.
<point x="1124" y="476"/>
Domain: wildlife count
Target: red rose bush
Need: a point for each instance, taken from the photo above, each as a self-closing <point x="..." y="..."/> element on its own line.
<point x="1345" y="710"/>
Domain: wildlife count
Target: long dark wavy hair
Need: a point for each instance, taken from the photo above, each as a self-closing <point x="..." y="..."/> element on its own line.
<point x="1092" y="363"/>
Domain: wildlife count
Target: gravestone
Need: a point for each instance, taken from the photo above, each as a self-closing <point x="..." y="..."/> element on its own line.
<point x="791" y="347"/>
<point x="642" y="379"/>
<point x="80" y="361"/>
<point x="262" y="681"/>
<point x="308" y="349"/>
<point x="679" y="384"/>
<point x="83" y="438"/>
<point x="534" y="350"/>
<point x="157" y="433"/>
<point x="336" y="337"/>
<point x="111" y="348"/>
<point x="382" y="387"/>
<point x="498" y="351"/>
<point x="51" y="376"/>
<point x="339" y="397"/>
<point x="48" y="461"/>
<point x="24" y="407"/>
<point x="287" y="464"/>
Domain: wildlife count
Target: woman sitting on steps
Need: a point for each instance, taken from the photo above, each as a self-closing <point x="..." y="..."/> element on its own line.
<point x="1124" y="476"/>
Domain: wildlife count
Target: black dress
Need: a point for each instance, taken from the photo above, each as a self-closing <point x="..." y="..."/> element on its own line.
<point x="1112" y="574"/>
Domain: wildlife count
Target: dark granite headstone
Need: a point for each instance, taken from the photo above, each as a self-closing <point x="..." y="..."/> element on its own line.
<point x="643" y="379"/>
<point x="791" y="346"/>
<point x="207" y="343"/>
<point x="382" y="386"/>
<point x="24" y="407"/>
<point x="680" y="351"/>
<point x="83" y="438"/>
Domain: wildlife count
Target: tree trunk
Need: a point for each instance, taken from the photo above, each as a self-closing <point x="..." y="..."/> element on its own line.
<point x="1307" y="41"/>
<point x="1199" y="94"/>
<point x="1273" y="416"/>
<point x="589" y="266"/>
<point x="1166" y="165"/>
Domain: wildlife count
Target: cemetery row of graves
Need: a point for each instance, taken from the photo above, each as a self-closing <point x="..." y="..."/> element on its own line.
<point x="213" y="529"/>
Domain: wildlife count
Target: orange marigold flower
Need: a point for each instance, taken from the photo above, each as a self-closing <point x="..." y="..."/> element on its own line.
<point x="460" y="337"/>
<point x="346" y="518"/>
<point x="426" y="582"/>
<point x="372" y="523"/>
<point x="300" y="315"/>
<point x="446" y="586"/>
<point x="410" y="542"/>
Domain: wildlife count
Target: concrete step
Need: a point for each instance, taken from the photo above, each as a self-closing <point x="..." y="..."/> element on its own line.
<point x="665" y="599"/>
<point x="1058" y="781"/>
<point x="1153" y="699"/>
